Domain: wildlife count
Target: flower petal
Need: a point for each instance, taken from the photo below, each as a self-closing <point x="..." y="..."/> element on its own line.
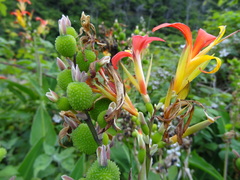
<point x="203" y="39"/>
<point x="181" y="27"/>
<point x="215" y="42"/>
<point x="119" y="56"/>
<point x="140" y="42"/>
<point x="197" y="65"/>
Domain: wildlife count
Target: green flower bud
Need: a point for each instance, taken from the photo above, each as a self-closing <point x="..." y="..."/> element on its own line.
<point x="141" y="155"/>
<point x="101" y="121"/>
<point x="105" y="139"/>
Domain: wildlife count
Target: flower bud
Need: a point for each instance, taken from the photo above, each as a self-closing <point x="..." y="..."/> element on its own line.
<point x="52" y="96"/>
<point x="63" y="23"/>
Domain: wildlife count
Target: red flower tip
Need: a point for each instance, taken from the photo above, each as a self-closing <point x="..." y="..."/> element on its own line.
<point x="118" y="57"/>
<point x="43" y="22"/>
<point x="181" y="27"/>
<point x="23" y="1"/>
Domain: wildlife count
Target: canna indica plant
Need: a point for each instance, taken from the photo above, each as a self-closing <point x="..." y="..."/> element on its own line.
<point x="93" y="97"/>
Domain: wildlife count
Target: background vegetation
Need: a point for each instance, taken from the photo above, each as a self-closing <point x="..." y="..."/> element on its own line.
<point x="29" y="123"/>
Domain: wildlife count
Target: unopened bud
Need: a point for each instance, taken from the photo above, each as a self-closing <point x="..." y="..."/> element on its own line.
<point x="153" y="149"/>
<point x="144" y="125"/>
<point x="63" y="23"/>
<point x="77" y="75"/>
<point x="52" y="96"/>
<point x="61" y="64"/>
<point x="103" y="154"/>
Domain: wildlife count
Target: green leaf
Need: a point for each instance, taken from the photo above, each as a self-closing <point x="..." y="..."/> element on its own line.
<point x="42" y="127"/>
<point x="198" y="162"/>
<point x="172" y="173"/>
<point x="21" y="88"/>
<point x="79" y="168"/>
<point x="36" y="86"/>
<point x="8" y="172"/>
<point x="3" y="9"/>
<point x="26" y="167"/>
<point x="65" y="154"/>
<point x="41" y="163"/>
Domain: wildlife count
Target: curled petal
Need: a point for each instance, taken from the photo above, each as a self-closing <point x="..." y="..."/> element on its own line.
<point x="181" y="27"/>
<point x="203" y="40"/>
<point x="119" y="56"/>
<point x="140" y="42"/>
<point x="197" y="65"/>
<point x="215" y="42"/>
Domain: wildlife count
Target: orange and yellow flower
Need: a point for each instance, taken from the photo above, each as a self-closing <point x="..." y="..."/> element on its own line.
<point x="194" y="58"/>
<point x="21" y="12"/>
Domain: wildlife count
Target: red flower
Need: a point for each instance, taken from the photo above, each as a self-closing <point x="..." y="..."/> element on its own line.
<point x="139" y="44"/>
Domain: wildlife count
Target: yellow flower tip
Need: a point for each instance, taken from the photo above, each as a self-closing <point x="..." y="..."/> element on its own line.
<point x="211" y="119"/>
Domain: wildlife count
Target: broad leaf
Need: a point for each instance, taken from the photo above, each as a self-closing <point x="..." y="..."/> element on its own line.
<point x="26" y="168"/>
<point x="41" y="163"/>
<point x="79" y="168"/>
<point x="42" y="127"/>
<point x="198" y="162"/>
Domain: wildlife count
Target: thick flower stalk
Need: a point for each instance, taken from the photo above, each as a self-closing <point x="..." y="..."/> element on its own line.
<point x="194" y="58"/>
<point x="139" y="44"/>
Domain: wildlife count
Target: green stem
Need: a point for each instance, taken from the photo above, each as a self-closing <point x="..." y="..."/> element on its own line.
<point x="39" y="66"/>
<point x="148" y="156"/>
<point x="92" y="129"/>
<point x="226" y="160"/>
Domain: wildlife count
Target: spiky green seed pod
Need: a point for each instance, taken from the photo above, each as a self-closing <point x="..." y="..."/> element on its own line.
<point x="85" y="59"/>
<point x="64" y="78"/>
<point x="83" y="140"/>
<point x="141" y="155"/>
<point x="3" y="153"/>
<point x="63" y="104"/>
<point x="80" y="96"/>
<point x="71" y="31"/>
<point x="66" y="45"/>
<point x="100" y="119"/>
<point x="99" y="106"/>
<point x="97" y="172"/>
